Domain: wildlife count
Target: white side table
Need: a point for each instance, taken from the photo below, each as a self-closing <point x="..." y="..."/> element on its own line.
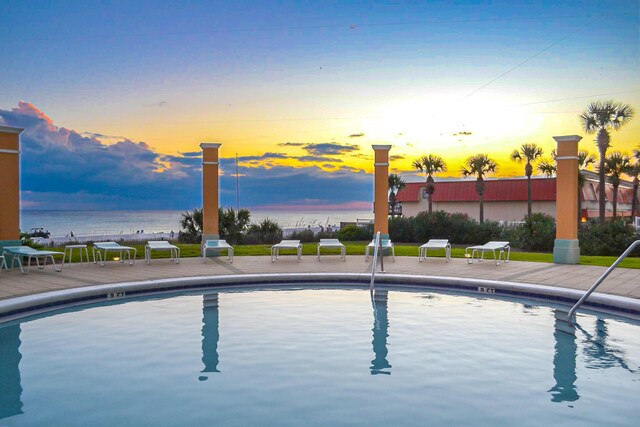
<point x="70" y="248"/>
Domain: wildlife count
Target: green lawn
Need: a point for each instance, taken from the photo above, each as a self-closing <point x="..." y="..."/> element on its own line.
<point x="357" y="248"/>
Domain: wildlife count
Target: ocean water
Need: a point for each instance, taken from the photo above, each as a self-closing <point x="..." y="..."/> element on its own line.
<point x="61" y="223"/>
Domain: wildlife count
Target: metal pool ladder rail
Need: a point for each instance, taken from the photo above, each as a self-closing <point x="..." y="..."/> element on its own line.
<point x="604" y="276"/>
<point x="376" y="245"/>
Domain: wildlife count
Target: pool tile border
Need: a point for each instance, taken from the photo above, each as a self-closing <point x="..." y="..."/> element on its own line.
<point x="23" y="306"/>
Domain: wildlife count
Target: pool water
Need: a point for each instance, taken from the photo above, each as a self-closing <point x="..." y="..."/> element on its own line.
<point x="291" y="357"/>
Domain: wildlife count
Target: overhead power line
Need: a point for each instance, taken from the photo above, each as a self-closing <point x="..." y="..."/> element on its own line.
<point x="538" y="53"/>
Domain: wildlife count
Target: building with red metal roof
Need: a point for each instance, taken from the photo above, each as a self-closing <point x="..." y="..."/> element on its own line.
<point x="505" y="199"/>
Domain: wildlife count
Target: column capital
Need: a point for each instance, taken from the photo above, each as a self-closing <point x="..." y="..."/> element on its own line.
<point x="381" y="147"/>
<point x="215" y="145"/>
<point x="567" y="138"/>
<point x="11" y="129"/>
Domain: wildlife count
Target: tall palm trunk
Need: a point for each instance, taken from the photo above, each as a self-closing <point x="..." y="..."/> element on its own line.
<point x="615" y="199"/>
<point x="634" y="199"/>
<point x="430" y="190"/>
<point x="603" y="144"/>
<point x="528" y="170"/>
<point x="480" y="191"/>
<point x="392" y="203"/>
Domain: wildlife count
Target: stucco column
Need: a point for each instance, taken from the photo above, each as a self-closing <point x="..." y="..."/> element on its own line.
<point x="210" y="190"/>
<point x="381" y="190"/>
<point x="566" y="248"/>
<point x="9" y="185"/>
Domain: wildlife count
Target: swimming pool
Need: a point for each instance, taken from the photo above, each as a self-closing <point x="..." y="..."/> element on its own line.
<point x="322" y="356"/>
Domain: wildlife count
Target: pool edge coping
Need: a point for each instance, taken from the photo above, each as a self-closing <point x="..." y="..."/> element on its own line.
<point x="26" y="305"/>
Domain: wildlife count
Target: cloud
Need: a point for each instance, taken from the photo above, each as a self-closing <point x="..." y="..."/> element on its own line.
<point x="463" y="133"/>
<point x="397" y="157"/>
<point x="318" y="159"/>
<point x="291" y="144"/>
<point x="329" y="148"/>
<point x="356" y="135"/>
<point x="286" y="185"/>
<point x="66" y="169"/>
<point x="125" y="174"/>
<point x="192" y="154"/>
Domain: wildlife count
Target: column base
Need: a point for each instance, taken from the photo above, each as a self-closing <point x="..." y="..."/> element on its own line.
<point x="566" y="251"/>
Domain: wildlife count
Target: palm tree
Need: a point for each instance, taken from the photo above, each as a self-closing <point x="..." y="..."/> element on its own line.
<point x="396" y="183"/>
<point x="634" y="171"/>
<point x="585" y="159"/>
<point x="549" y="168"/>
<point x="529" y="153"/>
<point x="479" y="166"/>
<point x="191" y="223"/>
<point x="430" y="165"/>
<point x="599" y="118"/>
<point x="615" y="165"/>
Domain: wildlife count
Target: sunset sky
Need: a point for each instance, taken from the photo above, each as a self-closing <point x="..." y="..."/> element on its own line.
<point x="300" y="90"/>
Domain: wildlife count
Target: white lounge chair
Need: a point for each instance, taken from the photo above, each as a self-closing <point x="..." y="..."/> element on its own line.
<point x="477" y="252"/>
<point x="102" y="248"/>
<point x="217" y="245"/>
<point x="435" y="244"/>
<point x="161" y="245"/>
<point x="385" y="243"/>
<point x="332" y="244"/>
<point x="286" y="244"/>
<point x="3" y="262"/>
<point x="17" y="252"/>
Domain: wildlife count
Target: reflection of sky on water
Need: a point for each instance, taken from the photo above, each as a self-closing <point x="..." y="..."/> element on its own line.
<point x="300" y="339"/>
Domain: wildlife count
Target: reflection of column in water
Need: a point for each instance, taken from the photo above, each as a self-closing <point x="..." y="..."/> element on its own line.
<point x="210" y="334"/>
<point x="380" y="328"/>
<point x="10" y="388"/>
<point x="564" y="360"/>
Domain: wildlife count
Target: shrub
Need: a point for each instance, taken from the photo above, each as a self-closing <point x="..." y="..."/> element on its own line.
<point x="232" y="224"/>
<point x="266" y="231"/>
<point x="305" y="236"/>
<point x="457" y="227"/>
<point x="191" y="224"/>
<point x="401" y="229"/>
<point x="536" y="234"/>
<point x="355" y="233"/>
<point x="611" y="239"/>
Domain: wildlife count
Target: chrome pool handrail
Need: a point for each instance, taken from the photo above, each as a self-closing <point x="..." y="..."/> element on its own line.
<point x="376" y="245"/>
<point x="606" y="273"/>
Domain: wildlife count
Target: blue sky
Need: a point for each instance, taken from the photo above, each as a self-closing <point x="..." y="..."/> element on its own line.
<point x="135" y="85"/>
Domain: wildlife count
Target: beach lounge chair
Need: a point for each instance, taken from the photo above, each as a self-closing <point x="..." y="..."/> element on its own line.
<point x="217" y="245"/>
<point x="435" y="244"/>
<point x="477" y="252"/>
<point x="3" y="262"/>
<point x="161" y="245"/>
<point x="332" y="244"/>
<point x="385" y="243"/>
<point x="286" y="244"/>
<point x="18" y="252"/>
<point x="102" y="248"/>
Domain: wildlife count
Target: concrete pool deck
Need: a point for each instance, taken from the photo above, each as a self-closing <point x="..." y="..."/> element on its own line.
<point x="622" y="281"/>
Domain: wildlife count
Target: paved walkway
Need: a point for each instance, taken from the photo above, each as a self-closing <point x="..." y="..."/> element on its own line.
<point x="621" y="282"/>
